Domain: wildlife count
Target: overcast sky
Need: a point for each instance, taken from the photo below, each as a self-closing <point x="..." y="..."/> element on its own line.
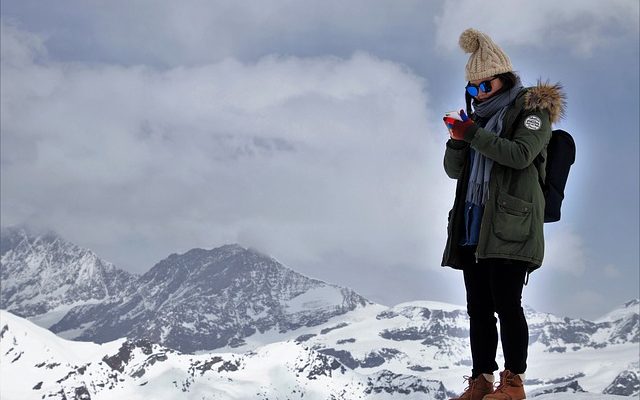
<point x="311" y="131"/>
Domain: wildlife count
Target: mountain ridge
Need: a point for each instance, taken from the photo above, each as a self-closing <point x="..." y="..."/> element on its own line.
<point x="46" y="274"/>
<point x="198" y="300"/>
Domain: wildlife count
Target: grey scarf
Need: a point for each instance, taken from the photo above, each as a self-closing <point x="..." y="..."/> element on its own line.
<point x="494" y="109"/>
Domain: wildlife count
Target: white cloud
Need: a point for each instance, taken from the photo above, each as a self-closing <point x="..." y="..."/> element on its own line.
<point x="291" y="154"/>
<point x="579" y="25"/>
<point x="204" y="31"/>
<point x="20" y="47"/>
<point x="300" y="157"/>
<point x="565" y="251"/>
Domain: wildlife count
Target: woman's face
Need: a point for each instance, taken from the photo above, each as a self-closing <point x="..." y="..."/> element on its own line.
<point x="496" y="85"/>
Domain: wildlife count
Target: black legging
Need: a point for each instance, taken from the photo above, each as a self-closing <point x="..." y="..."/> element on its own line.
<point x="496" y="286"/>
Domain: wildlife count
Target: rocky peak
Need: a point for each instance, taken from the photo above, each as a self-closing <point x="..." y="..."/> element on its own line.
<point x="15" y="237"/>
<point x="206" y="299"/>
<point x="42" y="271"/>
<point x="211" y="272"/>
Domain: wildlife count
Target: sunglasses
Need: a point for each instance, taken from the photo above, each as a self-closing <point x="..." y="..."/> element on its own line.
<point x="485" y="86"/>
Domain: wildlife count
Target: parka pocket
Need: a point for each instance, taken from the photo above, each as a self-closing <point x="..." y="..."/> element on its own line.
<point x="512" y="221"/>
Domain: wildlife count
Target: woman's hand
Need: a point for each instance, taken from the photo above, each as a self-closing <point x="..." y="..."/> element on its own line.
<point x="458" y="128"/>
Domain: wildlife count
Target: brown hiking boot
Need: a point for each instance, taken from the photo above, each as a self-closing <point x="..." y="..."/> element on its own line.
<point x="477" y="388"/>
<point x="510" y="388"/>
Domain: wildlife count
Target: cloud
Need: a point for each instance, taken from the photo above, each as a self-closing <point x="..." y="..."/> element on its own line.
<point x="20" y="47"/>
<point x="143" y="128"/>
<point x="204" y="31"/>
<point x="565" y="251"/>
<point x="300" y="157"/>
<point x="579" y="25"/>
<point x="201" y="32"/>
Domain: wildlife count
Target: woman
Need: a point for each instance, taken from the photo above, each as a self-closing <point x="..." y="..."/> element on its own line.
<point x="495" y="230"/>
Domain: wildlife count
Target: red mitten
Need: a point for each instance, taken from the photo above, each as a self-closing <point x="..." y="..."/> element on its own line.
<point x="456" y="127"/>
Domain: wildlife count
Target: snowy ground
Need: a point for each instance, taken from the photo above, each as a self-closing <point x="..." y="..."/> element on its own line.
<point x="272" y="366"/>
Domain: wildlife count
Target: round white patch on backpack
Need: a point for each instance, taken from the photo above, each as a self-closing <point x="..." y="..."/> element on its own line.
<point x="533" y="122"/>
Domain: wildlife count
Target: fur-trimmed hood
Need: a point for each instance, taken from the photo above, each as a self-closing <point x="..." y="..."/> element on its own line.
<point x="545" y="96"/>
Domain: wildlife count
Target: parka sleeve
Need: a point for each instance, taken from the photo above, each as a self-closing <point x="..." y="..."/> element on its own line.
<point x="454" y="157"/>
<point x="531" y="135"/>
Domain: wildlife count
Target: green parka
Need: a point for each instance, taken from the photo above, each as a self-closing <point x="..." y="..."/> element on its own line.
<point x="513" y="218"/>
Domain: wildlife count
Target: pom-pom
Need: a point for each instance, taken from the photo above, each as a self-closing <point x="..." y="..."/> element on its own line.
<point x="470" y="40"/>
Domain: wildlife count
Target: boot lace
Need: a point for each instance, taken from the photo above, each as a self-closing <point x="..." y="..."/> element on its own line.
<point x="470" y="383"/>
<point x="505" y="380"/>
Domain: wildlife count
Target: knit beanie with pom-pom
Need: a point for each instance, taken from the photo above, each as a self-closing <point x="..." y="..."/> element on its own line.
<point x="487" y="59"/>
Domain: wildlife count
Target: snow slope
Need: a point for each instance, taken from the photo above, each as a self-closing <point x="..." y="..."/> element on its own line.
<point x="431" y="339"/>
<point x="36" y="364"/>
<point x="360" y="364"/>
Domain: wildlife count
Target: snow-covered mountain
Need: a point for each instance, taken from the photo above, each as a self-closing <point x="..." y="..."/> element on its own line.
<point x="37" y="364"/>
<point x="565" y="334"/>
<point x="199" y="300"/>
<point x="207" y="299"/>
<point x="252" y="321"/>
<point x="43" y="276"/>
<point x="624" y="321"/>
<point x="431" y="339"/>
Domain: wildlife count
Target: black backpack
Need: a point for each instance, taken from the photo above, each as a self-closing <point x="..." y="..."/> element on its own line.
<point x="561" y="154"/>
